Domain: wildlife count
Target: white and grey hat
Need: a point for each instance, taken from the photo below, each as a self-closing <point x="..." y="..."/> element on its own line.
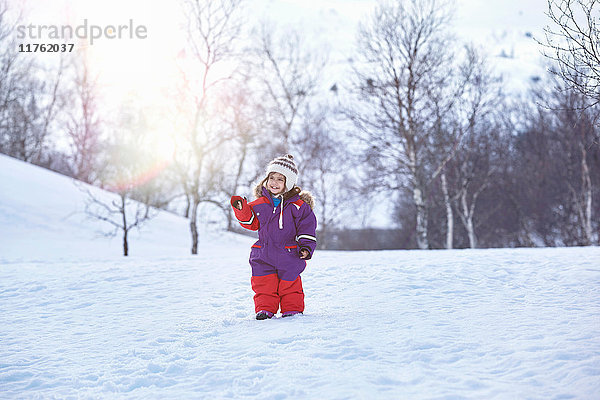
<point x="285" y="165"/>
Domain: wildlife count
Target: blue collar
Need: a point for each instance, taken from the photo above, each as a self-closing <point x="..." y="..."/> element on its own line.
<point x="276" y="201"/>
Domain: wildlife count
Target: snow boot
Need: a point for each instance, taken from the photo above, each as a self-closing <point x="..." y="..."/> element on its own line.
<point x="290" y="313"/>
<point x="264" y="315"/>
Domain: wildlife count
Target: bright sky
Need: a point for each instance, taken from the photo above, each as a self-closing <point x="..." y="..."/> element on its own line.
<point x="144" y="66"/>
<point x="135" y="70"/>
<point x="125" y="66"/>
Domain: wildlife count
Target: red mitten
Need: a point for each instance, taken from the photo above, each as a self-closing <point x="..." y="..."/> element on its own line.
<point x="245" y="215"/>
<point x="239" y="202"/>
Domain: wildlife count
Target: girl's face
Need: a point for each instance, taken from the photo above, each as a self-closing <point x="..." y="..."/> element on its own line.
<point x="276" y="183"/>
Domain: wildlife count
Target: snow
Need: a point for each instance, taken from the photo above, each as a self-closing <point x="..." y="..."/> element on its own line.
<point x="80" y="321"/>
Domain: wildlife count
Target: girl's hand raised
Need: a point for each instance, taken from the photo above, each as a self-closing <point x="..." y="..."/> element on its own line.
<point x="238" y="202"/>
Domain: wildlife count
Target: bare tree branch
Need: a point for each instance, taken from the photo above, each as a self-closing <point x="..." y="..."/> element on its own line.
<point x="572" y="41"/>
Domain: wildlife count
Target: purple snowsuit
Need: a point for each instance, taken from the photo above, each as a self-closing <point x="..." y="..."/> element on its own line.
<point x="282" y="232"/>
<point x="275" y="260"/>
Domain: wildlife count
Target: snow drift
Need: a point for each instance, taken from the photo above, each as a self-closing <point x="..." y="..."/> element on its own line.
<point x="78" y="321"/>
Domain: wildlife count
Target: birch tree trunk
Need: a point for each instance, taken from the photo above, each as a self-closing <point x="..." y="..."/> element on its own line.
<point x="449" y="214"/>
<point x="422" y="241"/>
<point x="467" y="218"/>
<point x="587" y="195"/>
<point x="421" y="229"/>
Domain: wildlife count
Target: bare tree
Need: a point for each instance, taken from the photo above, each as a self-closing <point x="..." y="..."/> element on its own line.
<point x="473" y="165"/>
<point x="128" y="172"/>
<point x="405" y="81"/>
<point x="325" y="165"/>
<point x="14" y="70"/>
<point x="29" y="97"/>
<point x="579" y="181"/>
<point x="213" y="29"/>
<point x="554" y="184"/>
<point x="82" y="121"/>
<point x="474" y="169"/>
<point x="288" y="72"/>
<point x="122" y="213"/>
<point x="244" y="120"/>
<point x="573" y="41"/>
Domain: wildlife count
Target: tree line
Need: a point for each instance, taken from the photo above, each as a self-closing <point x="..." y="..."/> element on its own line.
<point x="417" y="129"/>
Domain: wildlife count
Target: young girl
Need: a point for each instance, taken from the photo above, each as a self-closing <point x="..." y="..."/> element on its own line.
<point x="286" y="226"/>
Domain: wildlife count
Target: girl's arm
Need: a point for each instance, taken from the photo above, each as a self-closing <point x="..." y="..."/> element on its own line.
<point x="244" y="213"/>
<point x="306" y="226"/>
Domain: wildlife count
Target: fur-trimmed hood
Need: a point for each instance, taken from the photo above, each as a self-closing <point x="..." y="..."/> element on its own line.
<point x="304" y="195"/>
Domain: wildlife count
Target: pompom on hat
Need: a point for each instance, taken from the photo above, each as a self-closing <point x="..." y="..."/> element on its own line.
<point x="285" y="166"/>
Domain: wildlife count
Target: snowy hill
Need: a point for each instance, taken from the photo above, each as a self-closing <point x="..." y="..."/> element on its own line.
<point x="77" y="321"/>
<point x="42" y="215"/>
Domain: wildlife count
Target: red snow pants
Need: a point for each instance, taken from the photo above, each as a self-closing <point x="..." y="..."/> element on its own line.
<point x="271" y="292"/>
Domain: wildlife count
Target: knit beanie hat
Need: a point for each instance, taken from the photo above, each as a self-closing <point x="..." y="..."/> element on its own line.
<point x="285" y="165"/>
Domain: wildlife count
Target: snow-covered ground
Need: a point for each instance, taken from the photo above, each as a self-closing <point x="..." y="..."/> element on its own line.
<point x="79" y="321"/>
